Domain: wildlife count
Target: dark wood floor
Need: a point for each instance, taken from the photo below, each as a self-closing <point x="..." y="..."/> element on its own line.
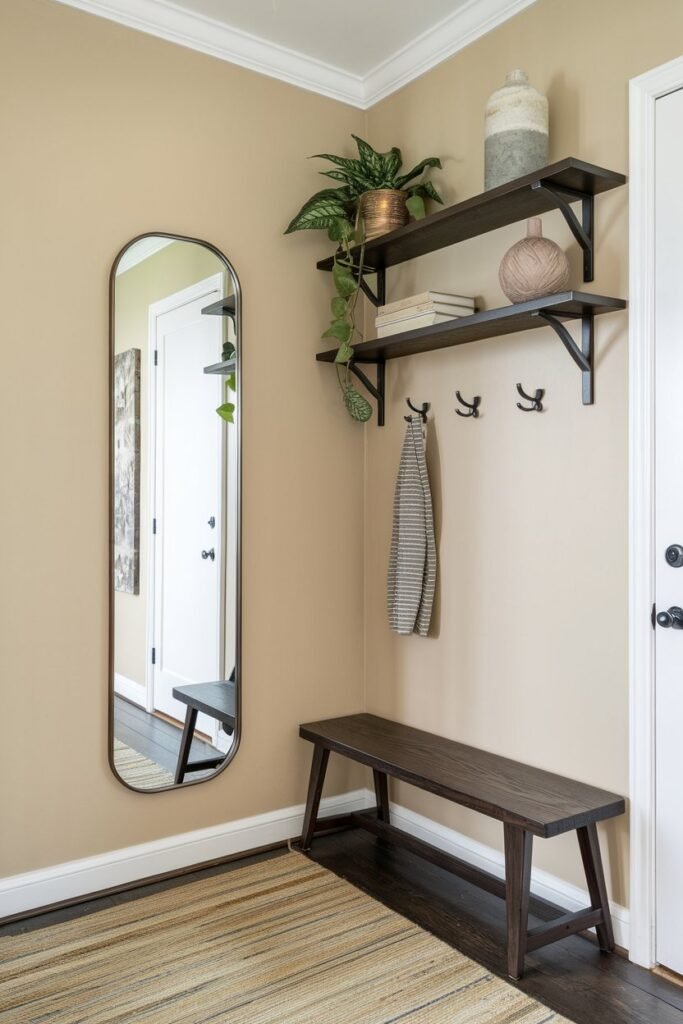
<point x="572" y="977"/>
<point x="155" y="738"/>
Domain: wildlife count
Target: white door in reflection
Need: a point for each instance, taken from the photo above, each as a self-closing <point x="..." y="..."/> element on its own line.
<point x="189" y="488"/>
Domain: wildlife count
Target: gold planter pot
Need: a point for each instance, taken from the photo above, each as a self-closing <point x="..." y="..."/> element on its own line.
<point x="383" y="210"/>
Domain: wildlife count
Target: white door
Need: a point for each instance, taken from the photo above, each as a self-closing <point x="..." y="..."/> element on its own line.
<point x="188" y="502"/>
<point x="669" y="527"/>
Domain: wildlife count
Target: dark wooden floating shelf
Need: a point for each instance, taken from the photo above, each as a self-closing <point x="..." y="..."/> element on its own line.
<point x="224" y="307"/>
<point x="489" y="323"/>
<point x="225" y="368"/>
<point x="560" y="186"/>
<point x="549" y="188"/>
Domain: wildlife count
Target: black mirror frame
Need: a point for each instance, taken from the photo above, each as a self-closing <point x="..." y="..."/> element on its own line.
<point x="110" y="494"/>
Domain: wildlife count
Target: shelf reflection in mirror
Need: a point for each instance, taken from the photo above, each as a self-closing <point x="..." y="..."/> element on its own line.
<point x="175" y="513"/>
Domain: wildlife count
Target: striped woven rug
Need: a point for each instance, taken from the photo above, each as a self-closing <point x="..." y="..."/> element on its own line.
<point x="281" y="942"/>
<point x="139" y="770"/>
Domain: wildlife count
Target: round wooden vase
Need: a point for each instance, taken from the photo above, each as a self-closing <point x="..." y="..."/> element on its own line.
<point x="383" y="210"/>
<point x="534" y="266"/>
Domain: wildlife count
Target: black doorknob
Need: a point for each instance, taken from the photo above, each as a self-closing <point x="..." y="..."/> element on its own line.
<point x="212" y="554"/>
<point x="673" y="618"/>
<point x="674" y="556"/>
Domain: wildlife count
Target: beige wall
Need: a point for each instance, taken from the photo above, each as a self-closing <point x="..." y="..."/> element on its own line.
<point x="109" y="133"/>
<point x="114" y="133"/>
<point x="173" y="268"/>
<point x="529" y="657"/>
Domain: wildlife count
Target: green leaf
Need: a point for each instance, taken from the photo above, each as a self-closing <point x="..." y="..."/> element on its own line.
<point x="344" y="281"/>
<point x="230" y="382"/>
<point x="226" y="411"/>
<point x="358" y="407"/>
<point x="392" y="162"/>
<point x="344" y="176"/>
<point x="340" y="230"/>
<point x="339" y="307"/>
<point x="355" y="183"/>
<point x="416" y="206"/>
<point x="430" y="161"/>
<point x="346" y="163"/>
<point x="344" y="354"/>
<point x="321" y="210"/>
<point x="372" y="162"/>
<point x="339" y="329"/>
<point x="426" y="190"/>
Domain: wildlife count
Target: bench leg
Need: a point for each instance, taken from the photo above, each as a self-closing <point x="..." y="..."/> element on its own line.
<point x="518" y="846"/>
<point x="589" y="845"/>
<point x="185" y="744"/>
<point x="382" y="795"/>
<point x="321" y="756"/>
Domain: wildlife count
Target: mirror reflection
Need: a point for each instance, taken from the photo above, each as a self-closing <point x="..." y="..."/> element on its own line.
<point x="175" y="513"/>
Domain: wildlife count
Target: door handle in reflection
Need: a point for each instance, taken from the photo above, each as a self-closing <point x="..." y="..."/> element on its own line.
<point x="212" y="554"/>
<point x="671" y="618"/>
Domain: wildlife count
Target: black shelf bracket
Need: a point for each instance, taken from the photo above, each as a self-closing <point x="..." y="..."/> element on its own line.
<point x="376" y="390"/>
<point x="378" y="297"/>
<point x="582" y="230"/>
<point x="583" y="357"/>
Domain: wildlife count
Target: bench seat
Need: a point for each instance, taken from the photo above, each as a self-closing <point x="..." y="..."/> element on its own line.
<point x="528" y="801"/>
<point x="539" y="801"/>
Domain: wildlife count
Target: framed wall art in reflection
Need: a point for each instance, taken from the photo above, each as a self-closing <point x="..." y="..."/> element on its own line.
<point x="127" y="471"/>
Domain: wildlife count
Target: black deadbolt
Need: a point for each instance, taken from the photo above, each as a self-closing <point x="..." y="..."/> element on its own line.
<point x="674" y="556"/>
<point x="671" y="618"/>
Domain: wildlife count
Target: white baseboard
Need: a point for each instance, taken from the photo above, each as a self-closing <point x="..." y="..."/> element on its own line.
<point x="548" y="887"/>
<point x="22" y="893"/>
<point x="46" y="886"/>
<point x="129" y="689"/>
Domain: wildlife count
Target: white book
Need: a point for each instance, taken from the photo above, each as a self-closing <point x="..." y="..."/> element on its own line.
<point x="415" y="300"/>
<point x="412" y="323"/>
<point x="423" y="307"/>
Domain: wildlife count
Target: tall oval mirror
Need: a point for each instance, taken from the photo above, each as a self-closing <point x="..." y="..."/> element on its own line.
<point x="175" y="503"/>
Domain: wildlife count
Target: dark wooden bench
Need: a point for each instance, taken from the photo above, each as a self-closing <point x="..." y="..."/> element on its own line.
<point x="214" y="699"/>
<point x="529" y="801"/>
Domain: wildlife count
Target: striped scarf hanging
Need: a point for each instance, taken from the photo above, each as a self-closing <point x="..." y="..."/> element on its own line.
<point x="412" y="561"/>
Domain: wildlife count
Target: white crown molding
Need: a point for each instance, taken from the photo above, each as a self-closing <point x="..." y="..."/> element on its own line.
<point x="458" y="30"/>
<point x="166" y="20"/>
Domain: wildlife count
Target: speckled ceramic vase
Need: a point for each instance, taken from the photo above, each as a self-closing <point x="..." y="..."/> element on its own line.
<point x="516" y="132"/>
<point x="534" y="266"/>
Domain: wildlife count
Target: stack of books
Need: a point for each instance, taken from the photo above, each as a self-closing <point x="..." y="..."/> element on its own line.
<point x="421" y="311"/>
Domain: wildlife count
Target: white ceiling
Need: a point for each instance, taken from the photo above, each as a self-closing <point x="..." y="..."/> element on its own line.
<point x="353" y="35"/>
<point x="356" y="51"/>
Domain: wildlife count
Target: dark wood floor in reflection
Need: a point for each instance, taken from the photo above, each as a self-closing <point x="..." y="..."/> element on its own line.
<point x="154" y="737"/>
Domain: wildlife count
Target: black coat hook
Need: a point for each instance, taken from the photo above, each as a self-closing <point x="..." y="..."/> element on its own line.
<point x="536" y="403"/>
<point x="420" y="412"/>
<point x="473" y="406"/>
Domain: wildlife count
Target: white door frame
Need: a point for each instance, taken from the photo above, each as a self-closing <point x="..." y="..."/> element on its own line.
<point x="644" y="91"/>
<point x="206" y="287"/>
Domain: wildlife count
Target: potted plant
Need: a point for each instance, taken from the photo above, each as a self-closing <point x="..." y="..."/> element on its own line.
<point x="373" y="189"/>
<point x="373" y="199"/>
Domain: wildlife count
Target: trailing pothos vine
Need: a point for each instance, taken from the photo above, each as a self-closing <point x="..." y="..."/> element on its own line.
<point x="347" y="277"/>
<point x="338" y="210"/>
<point x="226" y="411"/>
